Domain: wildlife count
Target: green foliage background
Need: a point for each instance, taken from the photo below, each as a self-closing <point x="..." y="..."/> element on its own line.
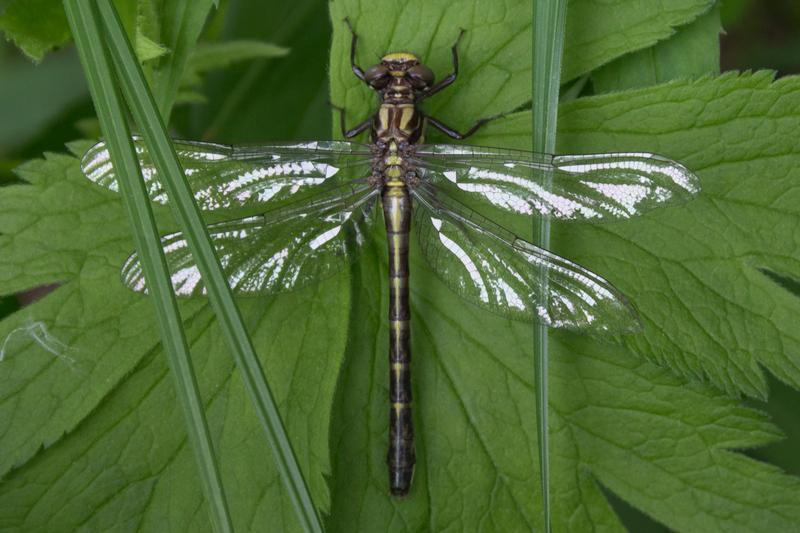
<point x="89" y="436"/>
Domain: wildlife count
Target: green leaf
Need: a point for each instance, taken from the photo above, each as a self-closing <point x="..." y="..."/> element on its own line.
<point x="107" y="401"/>
<point x="104" y="327"/>
<point x="35" y="26"/>
<point x="691" y="53"/>
<point x="207" y="57"/>
<point x="39" y="26"/>
<point x="597" y="33"/>
<point x="600" y="31"/>
<point x="738" y="228"/>
<point x="211" y="56"/>
<point x="705" y="261"/>
<point x="147" y="50"/>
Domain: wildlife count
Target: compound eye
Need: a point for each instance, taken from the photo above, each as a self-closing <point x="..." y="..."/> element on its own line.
<point x="377" y="76"/>
<point x="421" y="76"/>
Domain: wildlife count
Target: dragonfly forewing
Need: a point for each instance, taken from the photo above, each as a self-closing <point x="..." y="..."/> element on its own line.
<point x="581" y="187"/>
<point x="493" y="268"/>
<point x="224" y="176"/>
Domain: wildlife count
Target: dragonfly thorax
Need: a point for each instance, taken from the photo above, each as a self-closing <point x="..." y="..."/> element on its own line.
<point x="401" y="123"/>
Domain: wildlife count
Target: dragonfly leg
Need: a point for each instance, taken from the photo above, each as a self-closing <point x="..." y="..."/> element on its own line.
<point x="454" y="134"/>
<point x="349" y="134"/>
<point x="450" y="78"/>
<point x="356" y="69"/>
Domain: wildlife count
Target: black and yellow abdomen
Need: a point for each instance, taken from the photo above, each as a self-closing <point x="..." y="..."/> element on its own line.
<point x="401" y="458"/>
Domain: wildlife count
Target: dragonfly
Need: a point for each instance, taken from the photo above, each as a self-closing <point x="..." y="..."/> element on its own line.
<point x="317" y="203"/>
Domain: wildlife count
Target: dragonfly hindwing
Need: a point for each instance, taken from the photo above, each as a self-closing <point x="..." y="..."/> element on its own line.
<point x="491" y="267"/>
<point x="284" y="249"/>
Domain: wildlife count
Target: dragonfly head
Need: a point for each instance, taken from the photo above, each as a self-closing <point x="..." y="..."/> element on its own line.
<point x="401" y="68"/>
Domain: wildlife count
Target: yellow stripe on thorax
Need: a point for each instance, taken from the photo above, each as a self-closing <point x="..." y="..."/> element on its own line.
<point x="383" y="117"/>
<point x="406" y="114"/>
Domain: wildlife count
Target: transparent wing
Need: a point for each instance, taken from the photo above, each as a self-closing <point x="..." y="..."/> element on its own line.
<point x="284" y="249"/>
<point x="493" y="268"/>
<point x="223" y="176"/>
<point x="590" y="186"/>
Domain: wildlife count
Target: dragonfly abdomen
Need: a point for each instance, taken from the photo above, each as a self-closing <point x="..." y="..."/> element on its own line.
<point x="401" y="457"/>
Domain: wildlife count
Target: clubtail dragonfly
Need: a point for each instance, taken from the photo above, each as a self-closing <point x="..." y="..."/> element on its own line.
<point x="317" y="203"/>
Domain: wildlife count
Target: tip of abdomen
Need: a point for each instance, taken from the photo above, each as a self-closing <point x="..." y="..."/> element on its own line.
<point x="400" y="481"/>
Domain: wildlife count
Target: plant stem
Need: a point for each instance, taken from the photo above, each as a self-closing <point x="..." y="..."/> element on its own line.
<point x="91" y="46"/>
<point x="549" y="21"/>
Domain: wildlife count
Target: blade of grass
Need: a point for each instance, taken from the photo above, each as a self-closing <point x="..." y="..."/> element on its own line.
<point x="188" y="217"/>
<point x="91" y="48"/>
<point x="549" y="21"/>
